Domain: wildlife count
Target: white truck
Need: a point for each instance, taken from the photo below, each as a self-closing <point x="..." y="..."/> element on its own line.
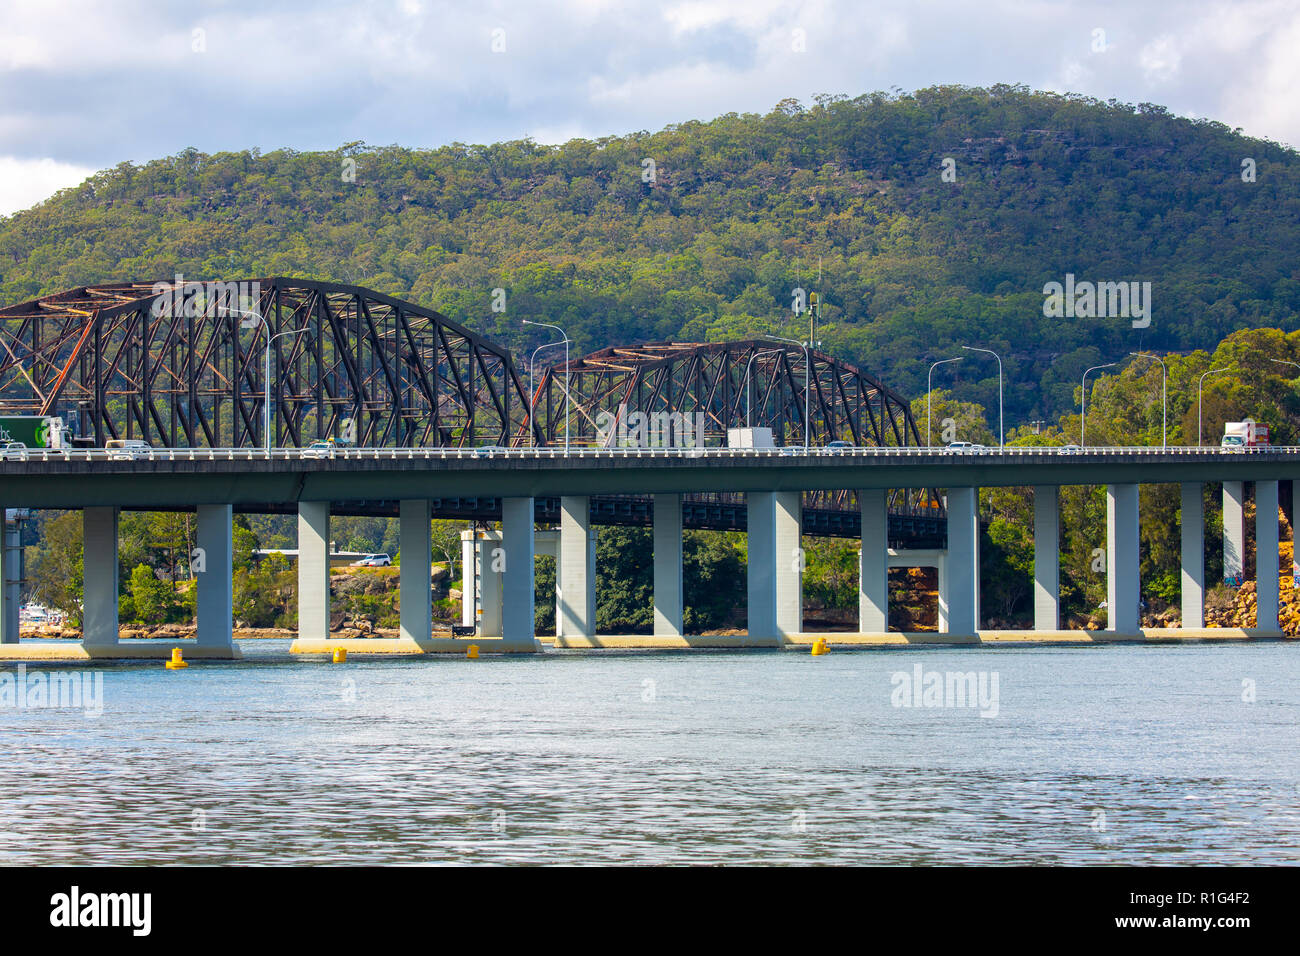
<point x="1241" y="435"/>
<point x="750" y="438"/>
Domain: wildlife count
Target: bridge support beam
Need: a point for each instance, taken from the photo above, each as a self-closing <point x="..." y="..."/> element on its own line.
<point x="214" y="598"/>
<point x="668" y="595"/>
<point x="1047" y="558"/>
<point x="873" y="573"/>
<point x="1234" y="531"/>
<point x="517" y="614"/>
<point x="575" y="570"/>
<point x="313" y="570"/>
<point x="1123" y="584"/>
<point x="788" y="528"/>
<point x="99" y="599"/>
<point x="1193" y="554"/>
<point x="959" y="593"/>
<point x="760" y="537"/>
<point x="415" y="592"/>
<point x="1266" y="556"/>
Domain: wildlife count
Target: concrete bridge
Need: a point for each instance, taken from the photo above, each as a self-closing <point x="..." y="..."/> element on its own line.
<point x="215" y="481"/>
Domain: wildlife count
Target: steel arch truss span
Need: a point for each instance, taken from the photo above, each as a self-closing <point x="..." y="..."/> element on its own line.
<point x="171" y="363"/>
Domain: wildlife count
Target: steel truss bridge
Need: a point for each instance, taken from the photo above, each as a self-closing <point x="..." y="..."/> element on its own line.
<point x="183" y="364"/>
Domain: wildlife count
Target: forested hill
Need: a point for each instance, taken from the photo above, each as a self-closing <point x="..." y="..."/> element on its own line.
<point x="738" y="213"/>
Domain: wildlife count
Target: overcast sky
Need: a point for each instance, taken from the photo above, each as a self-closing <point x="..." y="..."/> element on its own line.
<point x="86" y="85"/>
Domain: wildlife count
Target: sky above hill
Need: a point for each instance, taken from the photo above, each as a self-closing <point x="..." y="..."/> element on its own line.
<point x="85" y="85"/>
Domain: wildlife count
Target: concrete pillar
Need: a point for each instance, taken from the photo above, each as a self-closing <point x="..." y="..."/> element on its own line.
<point x="10" y="567"/>
<point x="789" y="562"/>
<point x="1123" y="583"/>
<point x="1234" y="531"/>
<point x="1047" y="558"/>
<point x="760" y="507"/>
<point x="313" y="570"/>
<point x="99" y="598"/>
<point x="873" y="563"/>
<point x="961" y="599"/>
<point x="491" y="560"/>
<point x="1193" y="559"/>
<point x="213" y="596"/>
<point x="415" y="591"/>
<point x="469" y="578"/>
<point x="942" y="573"/>
<point x="517" y="620"/>
<point x="1266" y="556"/>
<point x="575" y="570"/>
<point x="668" y="594"/>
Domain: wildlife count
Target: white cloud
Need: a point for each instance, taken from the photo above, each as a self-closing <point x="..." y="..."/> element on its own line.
<point x="25" y="182"/>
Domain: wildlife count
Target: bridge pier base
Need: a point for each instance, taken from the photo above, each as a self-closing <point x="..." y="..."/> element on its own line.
<point x="313" y="570"/>
<point x="1123" y="584"/>
<point x="1266" y="557"/>
<point x="1047" y="558"/>
<point x="214" y="598"/>
<point x="575" y="570"/>
<point x="668" y="597"/>
<point x="415" y="592"/>
<point x="873" y="559"/>
<point x="1234" y="531"/>
<point x="1192" y="573"/>
<point x="959" y="588"/>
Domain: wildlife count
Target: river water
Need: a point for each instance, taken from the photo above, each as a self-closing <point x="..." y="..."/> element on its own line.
<point x="1120" y="754"/>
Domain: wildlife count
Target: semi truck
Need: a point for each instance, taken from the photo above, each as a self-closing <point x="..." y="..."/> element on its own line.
<point x="1247" y="434"/>
<point x="34" y="431"/>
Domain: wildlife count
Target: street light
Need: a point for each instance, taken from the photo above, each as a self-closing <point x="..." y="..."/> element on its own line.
<point x="971" y="348"/>
<point x="929" y="388"/>
<point x="250" y="322"/>
<point x="567" y="413"/>
<point x="1083" y="400"/>
<point x="532" y="395"/>
<point x="745" y="381"/>
<point x="1164" y="399"/>
<point x="807" y="387"/>
<point x="1199" y="384"/>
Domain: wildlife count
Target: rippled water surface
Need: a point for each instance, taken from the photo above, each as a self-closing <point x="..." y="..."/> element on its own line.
<point x="1124" y="754"/>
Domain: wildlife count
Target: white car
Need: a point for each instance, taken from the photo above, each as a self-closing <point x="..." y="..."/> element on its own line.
<point x="964" y="447"/>
<point x="14" y="451"/>
<point x="1070" y="450"/>
<point x="319" y="449"/>
<point x="374" y="561"/>
<point x="488" y="451"/>
<point x="127" y="449"/>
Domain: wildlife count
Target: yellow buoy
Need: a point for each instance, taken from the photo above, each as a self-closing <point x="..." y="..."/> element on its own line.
<point x="472" y="652"/>
<point x="340" y="655"/>
<point x="820" y="646"/>
<point x="176" y="663"/>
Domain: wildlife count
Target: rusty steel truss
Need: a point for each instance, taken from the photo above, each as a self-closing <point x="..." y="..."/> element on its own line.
<point x="181" y="363"/>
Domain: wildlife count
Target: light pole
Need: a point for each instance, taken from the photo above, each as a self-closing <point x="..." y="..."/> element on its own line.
<point x="745" y="382"/>
<point x="807" y="386"/>
<point x="566" y="377"/>
<point x="1199" y="384"/>
<point x="971" y="348"/>
<point x="251" y="323"/>
<point x="1083" y="400"/>
<point x="929" y="388"/>
<point x="532" y="396"/>
<point x="1164" y="396"/>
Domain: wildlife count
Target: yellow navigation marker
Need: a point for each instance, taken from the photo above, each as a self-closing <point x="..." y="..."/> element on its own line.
<point x="821" y="646"/>
<point x="176" y="663"/>
<point x="472" y="652"/>
<point x="340" y="655"/>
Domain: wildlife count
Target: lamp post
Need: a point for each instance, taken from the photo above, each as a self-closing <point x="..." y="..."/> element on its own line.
<point x="807" y="386"/>
<point x="1083" y="400"/>
<point x="250" y="322"/>
<point x="1164" y="396"/>
<point x="1201" y="382"/>
<point x="532" y="395"/>
<point x="929" y="388"/>
<point x="567" y="413"/>
<point x="745" y="382"/>
<point x="971" y="348"/>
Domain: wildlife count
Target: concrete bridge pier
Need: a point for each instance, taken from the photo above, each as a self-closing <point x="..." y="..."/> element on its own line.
<point x="760" y="537"/>
<point x="1234" y="531"/>
<point x="313" y="570"/>
<point x="959" y="594"/>
<point x="668" y="596"/>
<point x="517" y="610"/>
<point x="1192" y="573"/>
<point x="575" y="570"/>
<point x="873" y="574"/>
<point x="99" y="622"/>
<point x="8" y="631"/>
<point x="1047" y="558"/>
<point x="1266" y="557"/>
<point x="415" y="592"/>
<point x="214" y="596"/>
<point x="1123" y="583"/>
<point x="788" y="530"/>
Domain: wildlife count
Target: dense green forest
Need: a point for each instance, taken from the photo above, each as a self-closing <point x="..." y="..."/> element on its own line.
<point x="937" y="217"/>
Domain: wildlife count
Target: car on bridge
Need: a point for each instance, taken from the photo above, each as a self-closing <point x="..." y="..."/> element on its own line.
<point x="963" y="448"/>
<point x="374" y="561"/>
<point x="839" y="447"/>
<point x="489" y="451"/>
<point x="13" y="451"/>
<point x="323" y="448"/>
<point x="127" y="449"/>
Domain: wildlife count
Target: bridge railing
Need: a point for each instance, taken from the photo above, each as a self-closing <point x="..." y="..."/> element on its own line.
<point x="496" y="453"/>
